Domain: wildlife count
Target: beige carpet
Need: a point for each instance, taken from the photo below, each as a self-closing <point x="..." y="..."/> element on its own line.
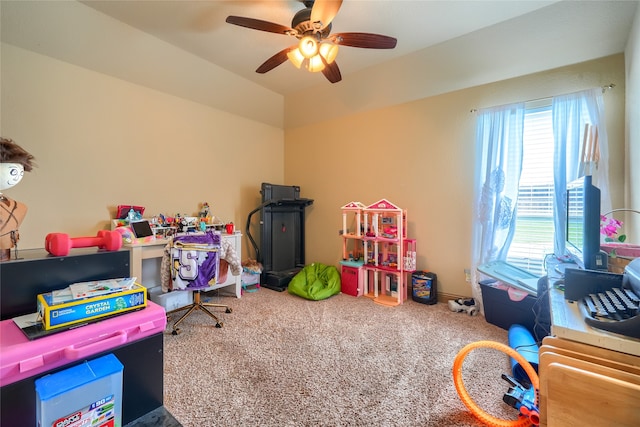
<point x="281" y="360"/>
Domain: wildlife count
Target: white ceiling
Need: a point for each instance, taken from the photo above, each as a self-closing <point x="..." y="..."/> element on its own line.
<point x="199" y="27"/>
<point x="185" y="47"/>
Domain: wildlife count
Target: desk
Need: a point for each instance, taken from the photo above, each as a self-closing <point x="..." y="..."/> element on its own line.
<point x="154" y="250"/>
<point x="587" y="376"/>
<point x="567" y="320"/>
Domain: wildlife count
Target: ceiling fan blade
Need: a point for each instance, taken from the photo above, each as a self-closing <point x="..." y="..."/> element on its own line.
<point x="324" y="11"/>
<point x="274" y="61"/>
<point x="258" y="24"/>
<point x="331" y="71"/>
<point x="366" y="40"/>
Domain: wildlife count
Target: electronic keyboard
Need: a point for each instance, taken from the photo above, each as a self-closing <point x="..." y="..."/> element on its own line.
<point x="612" y="301"/>
<point x="614" y="310"/>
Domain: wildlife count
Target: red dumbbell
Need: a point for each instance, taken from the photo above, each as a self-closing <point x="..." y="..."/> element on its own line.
<point x="59" y="244"/>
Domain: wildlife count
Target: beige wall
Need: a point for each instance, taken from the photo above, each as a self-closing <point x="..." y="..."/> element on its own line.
<point x="420" y="156"/>
<point x="632" y="60"/>
<point x="100" y="141"/>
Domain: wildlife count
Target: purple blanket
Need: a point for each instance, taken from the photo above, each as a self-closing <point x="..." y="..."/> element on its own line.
<point x="195" y="260"/>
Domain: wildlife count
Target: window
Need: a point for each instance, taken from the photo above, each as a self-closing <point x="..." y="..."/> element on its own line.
<point x="527" y="152"/>
<point x="534" y="233"/>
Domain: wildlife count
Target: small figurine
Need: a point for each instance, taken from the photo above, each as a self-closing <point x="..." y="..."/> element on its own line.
<point x="205" y="211"/>
<point x="184" y="225"/>
<point x="133" y="216"/>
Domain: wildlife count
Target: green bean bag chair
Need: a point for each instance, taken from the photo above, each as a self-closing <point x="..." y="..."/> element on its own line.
<point x="316" y="282"/>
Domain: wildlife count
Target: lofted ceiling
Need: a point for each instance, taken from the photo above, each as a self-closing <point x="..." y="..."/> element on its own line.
<point x="185" y="47"/>
<point x="199" y="27"/>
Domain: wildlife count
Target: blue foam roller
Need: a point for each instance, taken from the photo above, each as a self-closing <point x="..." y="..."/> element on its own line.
<point x="521" y="340"/>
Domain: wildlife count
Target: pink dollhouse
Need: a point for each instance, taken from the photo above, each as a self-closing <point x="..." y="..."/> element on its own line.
<point x="376" y="253"/>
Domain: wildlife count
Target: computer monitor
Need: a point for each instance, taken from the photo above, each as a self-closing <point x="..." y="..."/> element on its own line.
<point x="583" y="225"/>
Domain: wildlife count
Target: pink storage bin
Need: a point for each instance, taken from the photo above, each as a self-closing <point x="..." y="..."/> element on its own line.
<point x="622" y="249"/>
<point x="22" y="358"/>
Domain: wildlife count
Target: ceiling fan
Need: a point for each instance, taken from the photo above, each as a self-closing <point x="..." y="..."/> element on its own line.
<point x="317" y="48"/>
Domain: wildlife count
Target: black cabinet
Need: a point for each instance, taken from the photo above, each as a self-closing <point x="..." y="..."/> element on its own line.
<point x="37" y="272"/>
<point x="142" y="380"/>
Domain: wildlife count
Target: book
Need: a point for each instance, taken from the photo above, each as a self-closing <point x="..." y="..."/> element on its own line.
<point x="96" y="288"/>
<point x="61" y="296"/>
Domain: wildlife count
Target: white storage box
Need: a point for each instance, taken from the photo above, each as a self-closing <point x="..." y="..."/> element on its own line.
<point x="86" y="394"/>
<point x="170" y="300"/>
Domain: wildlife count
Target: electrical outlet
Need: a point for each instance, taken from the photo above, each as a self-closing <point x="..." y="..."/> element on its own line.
<point x="467" y="275"/>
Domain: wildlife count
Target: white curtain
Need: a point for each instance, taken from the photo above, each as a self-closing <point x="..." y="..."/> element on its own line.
<point x="499" y="133"/>
<point x="570" y="115"/>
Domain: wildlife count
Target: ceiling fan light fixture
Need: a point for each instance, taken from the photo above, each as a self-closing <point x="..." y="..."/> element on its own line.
<point x="295" y="57"/>
<point x="308" y="46"/>
<point x="329" y="51"/>
<point x="316" y="48"/>
<point x="314" y="64"/>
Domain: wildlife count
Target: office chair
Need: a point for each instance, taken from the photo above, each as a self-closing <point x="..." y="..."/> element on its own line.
<point x="195" y="265"/>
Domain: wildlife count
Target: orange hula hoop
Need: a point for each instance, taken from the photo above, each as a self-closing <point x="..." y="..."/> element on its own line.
<point x="486" y="418"/>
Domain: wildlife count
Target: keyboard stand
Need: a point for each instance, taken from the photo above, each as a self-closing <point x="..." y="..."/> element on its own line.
<point x="583" y="370"/>
<point x="568" y="322"/>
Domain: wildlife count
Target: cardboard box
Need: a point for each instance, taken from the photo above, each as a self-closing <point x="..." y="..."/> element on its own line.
<point x="88" y="309"/>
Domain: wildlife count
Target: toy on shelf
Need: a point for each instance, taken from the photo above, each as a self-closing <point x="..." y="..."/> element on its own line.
<point x="133" y="215"/>
<point x="205" y="211"/>
<point x="165" y="226"/>
<point x="124" y="211"/>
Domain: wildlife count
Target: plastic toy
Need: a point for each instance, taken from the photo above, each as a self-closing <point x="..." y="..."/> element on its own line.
<point x="183" y="224"/>
<point x="467" y="305"/>
<point x="390" y="232"/>
<point x="126" y="233"/>
<point x="134" y="215"/>
<point x="205" y="210"/>
<point x="523" y="399"/>
<point x="59" y="244"/>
